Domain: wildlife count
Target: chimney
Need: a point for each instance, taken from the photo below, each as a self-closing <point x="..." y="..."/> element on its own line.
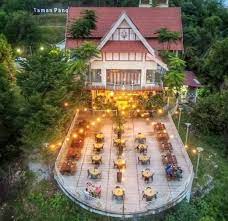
<point x="145" y="3"/>
<point x="161" y="3"/>
<point x="153" y="3"/>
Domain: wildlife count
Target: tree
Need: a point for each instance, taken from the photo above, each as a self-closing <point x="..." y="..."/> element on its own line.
<point x="174" y="78"/>
<point x="83" y="26"/>
<point x="9" y="106"/>
<point x="86" y="51"/>
<point x="166" y="36"/>
<point x="47" y="85"/>
<point x="21" y="28"/>
<point x="155" y="102"/>
<point x="210" y="115"/>
<point x="3" y="20"/>
<point x="6" y="56"/>
<point x="16" y="5"/>
<point x="83" y="55"/>
<point x="216" y="66"/>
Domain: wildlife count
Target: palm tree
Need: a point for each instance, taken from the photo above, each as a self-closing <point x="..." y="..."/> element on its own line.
<point x="166" y="36"/>
<point x="81" y="66"/>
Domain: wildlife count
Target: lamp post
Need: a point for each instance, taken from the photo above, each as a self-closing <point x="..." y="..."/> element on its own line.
<point x="178" y="126"/>
<point x="187" y="133"/>
<point x="199" y="150"/>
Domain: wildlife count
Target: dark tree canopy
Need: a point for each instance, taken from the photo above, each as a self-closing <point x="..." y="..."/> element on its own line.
<point x="82" y="27"/>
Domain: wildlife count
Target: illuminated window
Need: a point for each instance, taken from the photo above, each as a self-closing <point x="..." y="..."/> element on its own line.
<point x="95" y="75"/>
<point x="150" y="76"/>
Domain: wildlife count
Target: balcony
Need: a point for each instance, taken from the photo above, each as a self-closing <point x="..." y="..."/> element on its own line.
<point x="156" y="86"/>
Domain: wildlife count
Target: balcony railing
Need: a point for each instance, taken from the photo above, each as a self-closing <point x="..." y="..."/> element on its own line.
<point x="127" y="87"/>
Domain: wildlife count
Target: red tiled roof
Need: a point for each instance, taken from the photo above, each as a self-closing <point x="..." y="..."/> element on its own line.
<point x="191" y="79"/>
<point x="124" y="46"/>
<point x="147" y="20"/>
<point x="74" y="43"/>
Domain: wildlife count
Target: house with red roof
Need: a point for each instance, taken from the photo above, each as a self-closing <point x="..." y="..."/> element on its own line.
<point x="127" y="38"/>
<point x="190" y="88"/>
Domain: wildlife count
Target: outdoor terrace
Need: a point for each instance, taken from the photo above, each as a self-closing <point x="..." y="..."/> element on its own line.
<point x="168" y="192"/>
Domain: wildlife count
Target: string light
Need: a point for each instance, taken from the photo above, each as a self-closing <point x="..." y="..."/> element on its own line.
<point x="81" y="130"/>
<point x="66" y="104"/>
<point x="98" y="119"/>
<point x="52" y="146"/>
<point x="75" y="135"/>
<point x="194" y="151"/>
<point x="85" y="109"/>
<point x="18" y="50"/>
<point x="160" y="111"/>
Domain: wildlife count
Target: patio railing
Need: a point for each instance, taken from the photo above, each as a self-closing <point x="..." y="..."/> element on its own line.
<point x="127" y="87"/>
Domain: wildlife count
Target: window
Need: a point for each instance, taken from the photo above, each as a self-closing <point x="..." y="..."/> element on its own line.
<point x="157" y="77"/>
<point x="150" y="76"/>
<point x="95" y="75"/>
<point x="138" y="56"/>
<point x="123" y="56"/>
<point x="116" y="57"/>
<point x="108" y="56"/>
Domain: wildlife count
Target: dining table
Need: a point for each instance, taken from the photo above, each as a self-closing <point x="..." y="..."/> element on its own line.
<point x="147" y="174"/>
<point x="142" y="148"/>
<point x="163" y="136"/>
<point x="120" y="163"/>
<point x="144" y="159"/>
<point x="96" y="158"/>
<point x="68" y="167"/>
<point x="118" y="142"/>
<point x="159" y="127"/>
<point x="118" y="192"/>
<point x="140" y="137"/>
<point x="94" y="173"/>
<point x="98" y="146"/>
<point x="149" y="193"/>
<point x="99" y="137"/>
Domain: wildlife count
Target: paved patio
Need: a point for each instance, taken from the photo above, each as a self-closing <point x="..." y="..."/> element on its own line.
<point x="132" y="179"/>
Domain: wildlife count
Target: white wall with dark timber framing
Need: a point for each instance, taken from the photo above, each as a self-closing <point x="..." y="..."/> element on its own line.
<point x="142" y="65"/>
